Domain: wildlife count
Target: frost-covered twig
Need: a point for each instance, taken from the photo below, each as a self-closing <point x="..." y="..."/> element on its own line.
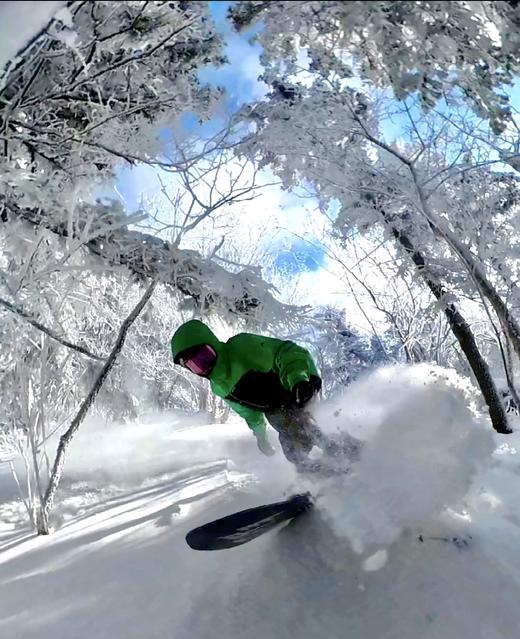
<point x="210" y="285"/>
<point x="48" y="331"/>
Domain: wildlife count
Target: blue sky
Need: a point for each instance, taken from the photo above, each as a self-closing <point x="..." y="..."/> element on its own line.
<point x="239" y="78"/>
<point x="297" y="255"/>
<point x="395" y="125"/>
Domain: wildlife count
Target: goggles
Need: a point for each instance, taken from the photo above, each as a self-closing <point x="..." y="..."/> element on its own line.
<point x="199" y="360"/>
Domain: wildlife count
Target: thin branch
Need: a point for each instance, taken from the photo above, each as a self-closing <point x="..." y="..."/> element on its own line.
<point x="128" y="60"/>
<point x="48" y="331"/>
<point x="67" y="437"/>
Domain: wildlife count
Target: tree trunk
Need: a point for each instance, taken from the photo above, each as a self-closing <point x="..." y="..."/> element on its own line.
<point x="464" y="335"/>
<point x="66" y="438"/>
<point x="507" y="320"/>
<point x="440" y="226"/>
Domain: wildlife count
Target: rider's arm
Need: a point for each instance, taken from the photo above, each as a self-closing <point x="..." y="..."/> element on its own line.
<point x="254" y="418"/>
<point x="294" y="364"/>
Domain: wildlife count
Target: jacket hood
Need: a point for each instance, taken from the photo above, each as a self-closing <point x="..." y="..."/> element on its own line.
<point x="193" y="333"/>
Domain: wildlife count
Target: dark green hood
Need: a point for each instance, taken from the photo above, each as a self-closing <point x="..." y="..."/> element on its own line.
<point x="193" y="333"/>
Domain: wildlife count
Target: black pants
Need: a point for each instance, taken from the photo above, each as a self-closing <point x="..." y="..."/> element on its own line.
<point x="297" y="431"/>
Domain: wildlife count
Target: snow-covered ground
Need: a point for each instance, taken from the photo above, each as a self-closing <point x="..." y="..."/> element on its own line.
<point x="418" y="541"/>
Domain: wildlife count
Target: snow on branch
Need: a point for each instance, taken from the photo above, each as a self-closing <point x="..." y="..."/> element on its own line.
<point x="433" y="49"/>
<point x="48" y="331"/>
<point x="97" y="88"/>
<point x="209" y="285"/>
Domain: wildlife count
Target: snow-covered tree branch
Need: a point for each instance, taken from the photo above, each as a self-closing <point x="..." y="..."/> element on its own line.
<point x="320" y="126"/>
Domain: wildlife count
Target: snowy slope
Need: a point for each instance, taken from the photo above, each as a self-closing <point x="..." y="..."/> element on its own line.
<point x="376" y="559"/>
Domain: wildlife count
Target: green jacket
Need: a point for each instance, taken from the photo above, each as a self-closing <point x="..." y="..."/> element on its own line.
<point x="242" y="354"/>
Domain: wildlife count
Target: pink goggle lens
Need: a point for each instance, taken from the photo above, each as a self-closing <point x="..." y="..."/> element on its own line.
<point x="201" y="361"/>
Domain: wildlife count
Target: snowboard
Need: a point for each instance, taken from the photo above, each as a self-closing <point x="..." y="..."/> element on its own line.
<point x="245" y="525"/>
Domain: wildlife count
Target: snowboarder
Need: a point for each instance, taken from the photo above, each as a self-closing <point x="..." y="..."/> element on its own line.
<point x="257" y="376"/>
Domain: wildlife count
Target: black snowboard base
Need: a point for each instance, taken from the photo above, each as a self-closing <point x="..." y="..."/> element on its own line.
<point x="241" y="527"/>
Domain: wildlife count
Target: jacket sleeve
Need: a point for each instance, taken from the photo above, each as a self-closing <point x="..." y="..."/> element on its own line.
<point x="294" y="364"/>
<point x="254" y="418"/>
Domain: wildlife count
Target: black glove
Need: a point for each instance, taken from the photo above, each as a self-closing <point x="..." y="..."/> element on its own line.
<point x="303" y="392"/>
